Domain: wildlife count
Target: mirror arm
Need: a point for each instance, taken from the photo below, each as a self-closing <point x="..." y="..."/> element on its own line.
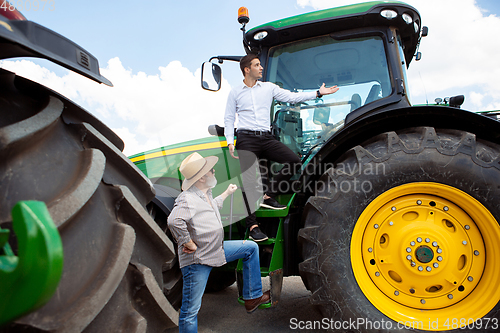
<point x="221" y="59"/>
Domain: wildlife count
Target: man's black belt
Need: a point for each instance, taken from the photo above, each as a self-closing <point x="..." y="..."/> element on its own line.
<point x="253" y="132"/>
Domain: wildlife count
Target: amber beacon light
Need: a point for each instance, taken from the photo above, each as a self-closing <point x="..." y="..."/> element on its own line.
<point x="243" y="17"/>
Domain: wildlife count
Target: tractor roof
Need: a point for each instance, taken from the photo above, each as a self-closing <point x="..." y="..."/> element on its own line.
<point x="338" y="19"/>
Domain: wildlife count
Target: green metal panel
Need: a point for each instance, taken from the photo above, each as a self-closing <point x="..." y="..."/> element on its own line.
<point x="162" y="167"/>
<point x="179" y="145"/>
<point x="277" y="255"/>
<point x="29" y="279"/>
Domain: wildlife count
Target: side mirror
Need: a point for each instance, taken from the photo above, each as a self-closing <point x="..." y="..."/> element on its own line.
<point x="425" y="31"/>
<point x="321" y="115"/>
<point x="210" y="76"/>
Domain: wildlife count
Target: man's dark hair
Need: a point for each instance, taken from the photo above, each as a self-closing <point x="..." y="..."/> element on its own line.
<point x="246" y="61"/>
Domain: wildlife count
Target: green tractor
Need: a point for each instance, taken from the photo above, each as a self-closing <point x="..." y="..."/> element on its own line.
<point x="393" y="221"/>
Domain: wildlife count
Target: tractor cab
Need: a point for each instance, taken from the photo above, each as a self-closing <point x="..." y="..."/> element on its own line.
<point x="358" y="65"/>
<point x="363" y="49"/>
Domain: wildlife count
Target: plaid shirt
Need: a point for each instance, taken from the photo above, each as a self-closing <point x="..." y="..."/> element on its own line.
<point x="192" y="218"/>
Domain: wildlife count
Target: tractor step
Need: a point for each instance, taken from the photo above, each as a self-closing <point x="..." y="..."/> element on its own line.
<point x="270" y="251"/>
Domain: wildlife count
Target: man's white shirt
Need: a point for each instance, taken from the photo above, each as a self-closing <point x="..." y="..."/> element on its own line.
<point x="253" y="106"/>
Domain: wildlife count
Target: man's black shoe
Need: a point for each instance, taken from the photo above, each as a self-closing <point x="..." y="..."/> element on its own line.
<point x="272" y="204"/>
<point x="257" y="235"/>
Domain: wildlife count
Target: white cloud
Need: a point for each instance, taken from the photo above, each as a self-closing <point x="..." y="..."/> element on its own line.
<point x="132" y="145"/>
<point x="169" y="107"/>
<point x="459" y="54"/>
<point x="476" y="98"/>
<point x="147" y="111"/>
<point x="42" y="75"/>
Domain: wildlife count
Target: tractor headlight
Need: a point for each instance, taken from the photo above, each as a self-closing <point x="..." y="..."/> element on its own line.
<point x="260" y="35"/>
<point x="389" y="14"/>
<point x="407" y="18"/>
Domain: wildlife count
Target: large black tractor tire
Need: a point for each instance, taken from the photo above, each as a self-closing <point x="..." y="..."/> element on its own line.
<point x="402" y="234"/>
<point x="115" y="255"/>
<point x="172" y="275"/>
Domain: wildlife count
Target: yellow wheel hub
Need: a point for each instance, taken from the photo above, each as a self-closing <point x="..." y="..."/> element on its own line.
<point x="424" y="255"/>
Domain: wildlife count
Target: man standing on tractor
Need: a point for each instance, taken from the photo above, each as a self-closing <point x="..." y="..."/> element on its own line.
<point x="252" y="101"/>
<point x="196" y="224"/>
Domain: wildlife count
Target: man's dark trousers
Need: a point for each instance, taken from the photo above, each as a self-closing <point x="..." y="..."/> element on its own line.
<point x="253" y="149"/>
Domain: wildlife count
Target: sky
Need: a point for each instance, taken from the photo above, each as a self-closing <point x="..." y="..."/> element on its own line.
<point x="152" y="52"/>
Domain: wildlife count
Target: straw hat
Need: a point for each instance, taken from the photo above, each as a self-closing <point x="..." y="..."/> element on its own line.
<point x="194" y="167"/>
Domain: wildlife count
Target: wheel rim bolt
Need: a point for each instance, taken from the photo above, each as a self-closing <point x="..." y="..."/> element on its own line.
<point x="376" y="226"/>
<point x="408" y="257"/>
<point x="422" y="301"/>
<point x="476" y="252"/>
<point x="450" y="296"/>
<point x="391" y="223"/>
<point x="436" y="265"/>
<point x="412" y="243"/>
<point x="408" y="249"/>
<point x="439" y="258"/>
<point x="377" y="274"/>
<point x="445" y="208"/>
<point x="428" y="269"/>
<point x="419" y="239"/>
<point x="464" y="242"/>
<point x="439" y="250"/>
<point x="427" y="240"/>
<point x="419" y="202"/>
<point x="412" y="290"/>
<point x="393" y="209"/>
<point x="434" y="244"/>
<point x="370" y="249"/>
<point x="467" y="227"/>
<point x="396" y="293"/>
<point x="420" y="268"/>
<point x="413" y="264"/>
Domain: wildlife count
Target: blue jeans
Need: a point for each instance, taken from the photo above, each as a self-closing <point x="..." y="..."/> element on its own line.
<point x="195" y="280"/>
<point x="248" y="251"/>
